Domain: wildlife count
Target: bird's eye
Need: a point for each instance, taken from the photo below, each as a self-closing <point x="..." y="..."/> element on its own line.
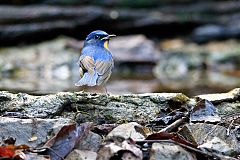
<point x="96" y="36"/>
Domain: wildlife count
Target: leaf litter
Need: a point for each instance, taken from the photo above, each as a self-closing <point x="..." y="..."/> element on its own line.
<point x="171" y="126"/>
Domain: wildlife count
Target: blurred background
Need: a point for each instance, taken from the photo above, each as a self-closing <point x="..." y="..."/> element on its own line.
<point x="188" y="46"/>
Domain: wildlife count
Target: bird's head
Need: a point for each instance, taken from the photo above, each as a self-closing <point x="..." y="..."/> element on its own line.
<point x="99" y="38"/>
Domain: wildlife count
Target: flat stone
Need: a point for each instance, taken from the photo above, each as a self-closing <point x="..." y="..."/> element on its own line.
<point x="113" y="108"/>
<point x="24" y="129"/>
<point x="219" y="146"/>
<point x="130" y="130"/>
<point x="226" y="103"/>
<point x="118" y="148"/>
<point x="92" y="142"/>
<point x="203" y="132"/>
<point x="81" y="155"/>
<point x="36" y="156"/>
<point x="220" y="97"/>
<point x="229" y="108"/>
<point x="33" y="106"/>
<point x="169" y="151"/>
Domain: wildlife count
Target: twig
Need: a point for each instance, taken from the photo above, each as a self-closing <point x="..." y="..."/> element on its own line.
<point x="174" y="125"/>
<point x="209" y="154"/>
<point x="44" y="148"/>
<point x="229" y="128"/>
<point x="171" y="141"/>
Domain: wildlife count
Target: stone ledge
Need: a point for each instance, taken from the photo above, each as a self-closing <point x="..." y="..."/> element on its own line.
<point x="129" y="107"/>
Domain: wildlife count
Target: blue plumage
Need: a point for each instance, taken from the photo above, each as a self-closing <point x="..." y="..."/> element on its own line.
<point x="96" y="60"/>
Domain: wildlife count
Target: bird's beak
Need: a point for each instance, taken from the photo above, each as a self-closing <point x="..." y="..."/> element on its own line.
<point x="108" y="37"/>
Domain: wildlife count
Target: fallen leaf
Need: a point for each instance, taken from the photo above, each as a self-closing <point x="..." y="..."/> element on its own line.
<point x="23" y="146"/>
<point x="66" y="139"/>
<point x="170" y="136"/>
<point x="13" y="152"/>
<point x="6" y="152"/>
<point x="185" y="131"/>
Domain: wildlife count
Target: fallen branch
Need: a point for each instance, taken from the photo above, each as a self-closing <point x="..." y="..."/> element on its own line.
<point x="174" y="125"/>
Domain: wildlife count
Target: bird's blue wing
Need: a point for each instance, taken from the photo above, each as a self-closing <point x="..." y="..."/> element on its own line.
<point x="87" y="71"/>
<point x="104" y="70"/>
<point x="96" y="67"/>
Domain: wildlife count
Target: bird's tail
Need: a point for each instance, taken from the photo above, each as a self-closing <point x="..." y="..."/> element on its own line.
<point x="88" y="79"/>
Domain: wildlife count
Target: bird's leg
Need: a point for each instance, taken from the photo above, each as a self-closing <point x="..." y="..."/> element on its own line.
<point x="83" y="89"/>
<point x="105" y="89"/>
<point x="106" y="93"/>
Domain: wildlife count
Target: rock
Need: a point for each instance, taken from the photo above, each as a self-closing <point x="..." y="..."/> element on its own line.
<point x="203" y="132"/>
<point x="186" y="133"/>
<point x="204" y="111"/>
<point x="129" y="130"/>
<point x="118" y="148"/>
<point x="169" y="151"/>
<point x="99" y="108"/>
<point x="217" y="145"/>
<point x="127" y="156"/>
<point x="92" y="142"/>
<point x="135" y="4"/>
<point x="221" y="97"/>
<point x="95" y="107"/>
<point x="137" y="49"/>
<point x="208" y="32"/>
<point x="17" y="26"/>
<point x="33" y="106"/>
<point x="178" y="70"/>
<point x="34" y="72"/>
<point x="226" y="103"/>
<point x="237" y="130"/>
<point x="208" y="67"/>
<point x="81" y="155"/>
<point x="36" y="156"/>
<point x="33" y="69"/>
<point x="24" y="129"/>
<point x="62" y="73"/>
<point x="229" y="110"/>
<point x="174" y="68"/>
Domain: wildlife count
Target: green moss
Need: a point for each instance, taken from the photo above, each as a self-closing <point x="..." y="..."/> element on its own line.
<point x="122" y="121"/>
<point x="180" y="98"/>
<point x="74" y="98"/>
<point x="108" y="117"/>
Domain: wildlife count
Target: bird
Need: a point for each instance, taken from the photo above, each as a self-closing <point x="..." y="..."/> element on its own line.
<point x="96" y="60"/>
